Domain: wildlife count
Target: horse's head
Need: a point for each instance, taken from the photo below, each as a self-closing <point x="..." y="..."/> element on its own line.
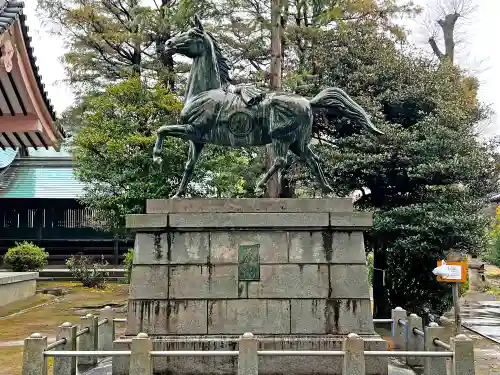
<point x="192" y="43"/>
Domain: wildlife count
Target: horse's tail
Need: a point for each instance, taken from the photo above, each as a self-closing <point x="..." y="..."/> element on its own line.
<point x="334" y="97"/>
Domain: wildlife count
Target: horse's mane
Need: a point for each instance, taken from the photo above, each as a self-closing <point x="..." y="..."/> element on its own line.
<point x="221" y="60"/>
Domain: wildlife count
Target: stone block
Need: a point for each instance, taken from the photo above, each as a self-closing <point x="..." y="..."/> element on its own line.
<point x="202" y="282"/>
<point x="224" y="246"/>
<point x="248" y="315"/>
<point x="268" y="365"/>
<point x="221" y="365"/>
<point x="146" y="222"/>
<point x="349" y="281"/>
<point x="150" y="248"/>
<point x="174" y="247"/>
<point x="162" y="317"/>
<point x="189" y="247"/>
<point x="301" y="365"/>
<point x="291" y="281"/>
<point x="348" y="248"/>
<point x="15" y="286"/>
<point x="310" y="247"/>
<point x="149" y="282"/>
<point x="334" y="316"/>
<point x="351" y="220"/>
<point x="327" y="247"/>
<point x="155" y="206"/>
<point x="248" y="220"/>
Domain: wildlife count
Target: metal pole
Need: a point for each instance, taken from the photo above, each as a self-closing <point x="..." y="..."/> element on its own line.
<point x="456" y="304"/>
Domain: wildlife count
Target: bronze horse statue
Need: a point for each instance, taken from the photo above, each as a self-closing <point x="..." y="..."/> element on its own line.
<point x="245" y="116"/>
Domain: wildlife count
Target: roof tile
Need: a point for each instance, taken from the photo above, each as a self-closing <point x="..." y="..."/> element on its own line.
<point x="10" y="12"/>
<point x="42" y="182"/>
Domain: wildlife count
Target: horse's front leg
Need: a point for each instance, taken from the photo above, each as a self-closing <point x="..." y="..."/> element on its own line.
<point x="194" y="153"/>
<point x="280" y="161"/>
<point x="178" y="131"/>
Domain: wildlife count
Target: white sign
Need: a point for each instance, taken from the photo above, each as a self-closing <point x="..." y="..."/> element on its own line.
<point x="448" y="272"/>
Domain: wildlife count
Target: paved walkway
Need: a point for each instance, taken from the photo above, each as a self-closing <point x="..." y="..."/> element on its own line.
<point x="481" y="312"/>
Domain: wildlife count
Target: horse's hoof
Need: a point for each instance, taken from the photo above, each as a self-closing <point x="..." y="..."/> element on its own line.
<point x="259" y="190"/>
<point x="328" y="191"/>
<point x="157" y="160"/>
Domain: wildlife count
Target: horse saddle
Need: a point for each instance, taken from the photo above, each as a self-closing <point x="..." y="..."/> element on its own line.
<point x="249" y="94"/>
<point x="239" y="114"/>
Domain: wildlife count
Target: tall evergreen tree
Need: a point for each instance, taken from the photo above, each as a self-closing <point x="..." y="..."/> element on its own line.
<point x="427" y="178"/>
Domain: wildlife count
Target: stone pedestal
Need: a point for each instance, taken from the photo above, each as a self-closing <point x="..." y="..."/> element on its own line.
<point x="291" y="271"/>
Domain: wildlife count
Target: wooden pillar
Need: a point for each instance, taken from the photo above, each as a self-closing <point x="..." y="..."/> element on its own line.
<point x="273" y="185"/>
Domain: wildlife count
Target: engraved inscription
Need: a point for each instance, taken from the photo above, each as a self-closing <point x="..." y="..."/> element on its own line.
<point x="249" y="263"/>
<point x="240" y="123"/>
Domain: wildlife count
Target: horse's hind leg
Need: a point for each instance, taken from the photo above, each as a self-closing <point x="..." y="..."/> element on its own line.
<point x="280" y="150"/>
<point x="307" y="155"/>
<point x="193" y="156"/>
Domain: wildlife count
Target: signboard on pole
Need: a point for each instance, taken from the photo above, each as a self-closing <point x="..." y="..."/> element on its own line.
<point x="451" y="272"/>
<point x="455" y="273"/>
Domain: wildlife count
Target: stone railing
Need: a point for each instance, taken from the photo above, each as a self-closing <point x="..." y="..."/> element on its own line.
<point x="409" y="336"/>
<point x="418" y="345"/>
<point x="92" y="335"/>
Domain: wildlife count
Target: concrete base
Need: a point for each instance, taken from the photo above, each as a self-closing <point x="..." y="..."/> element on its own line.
<point x="296" y="365"/>
<point x="15" y="286"/>
<point x="292" y="271"/>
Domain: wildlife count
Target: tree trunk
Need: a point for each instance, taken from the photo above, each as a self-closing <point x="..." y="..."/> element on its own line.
<point x="166" y="60"/>
<point x="447" y="25"/>
<point x="287" y="185"/>
<point x="274" y="185"/>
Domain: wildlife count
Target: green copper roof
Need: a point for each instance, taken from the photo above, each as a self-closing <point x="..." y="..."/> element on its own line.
<point x="42" y="182"/>
<point x="7" y="156"/>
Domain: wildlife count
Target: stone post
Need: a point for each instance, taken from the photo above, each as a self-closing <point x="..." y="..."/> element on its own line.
<point x="107" y="330"/>
<point x="434" y="365"/>
<point x="66" y="365"/>
<point x="121" y="364"/>
<point x="415" y="342"/>
<point x="33" y="359"/>
<point x="248" y="360"/>
<point x="354" y="357"/>
<point x="140" y="359"/>
<point x="463" y="360"/>
<point x="88" y="341"/>
<point x="398" y="331"/>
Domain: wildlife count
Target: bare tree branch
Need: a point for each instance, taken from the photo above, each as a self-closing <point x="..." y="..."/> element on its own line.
<point x="441" y="24"/>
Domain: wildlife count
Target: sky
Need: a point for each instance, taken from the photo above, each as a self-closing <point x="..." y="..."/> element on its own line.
<point x="477" y="54"/>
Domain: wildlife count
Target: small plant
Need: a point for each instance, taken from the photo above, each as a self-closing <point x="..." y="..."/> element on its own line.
<point x="127" y="264"/>
<point x="89" y="273"/>
<point x="26" y="256"/>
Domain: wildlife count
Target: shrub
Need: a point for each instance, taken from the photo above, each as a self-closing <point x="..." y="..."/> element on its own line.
<point x="89" y="273"/>
<point x="369" y="264"/>
<point x="26" y="256"/>
<point x="492" y="254"/>
<point x="127" y="263"/>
